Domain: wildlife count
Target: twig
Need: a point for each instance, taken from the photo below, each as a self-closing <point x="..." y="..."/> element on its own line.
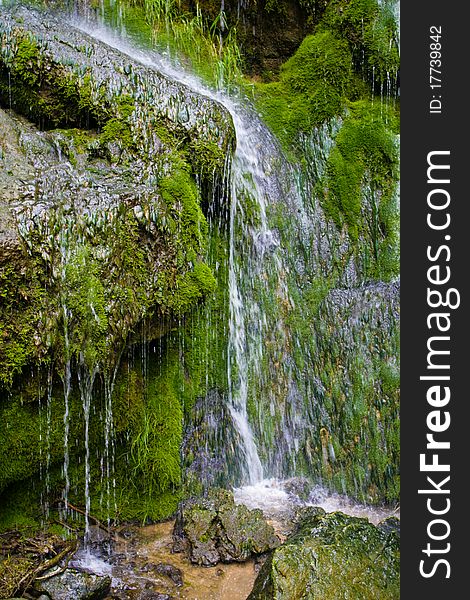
<point x="90" y="517"/>
<point x="94" y="520"/>
<point x="32" y="575"/>
<point x="61" y="569"/>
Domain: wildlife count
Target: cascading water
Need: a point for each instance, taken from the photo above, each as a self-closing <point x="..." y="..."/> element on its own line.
<point x="280" y="241"/>
<point x="293" y="371"/>
<point x="249" y="180"/>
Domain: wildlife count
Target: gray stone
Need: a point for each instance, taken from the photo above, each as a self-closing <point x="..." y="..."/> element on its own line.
<point x="72" y="584"/>
<point x="214" y="529"/>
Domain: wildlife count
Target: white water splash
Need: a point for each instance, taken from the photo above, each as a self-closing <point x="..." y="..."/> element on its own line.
<point x="272" y="498"/>
<point x="84" y="560"/>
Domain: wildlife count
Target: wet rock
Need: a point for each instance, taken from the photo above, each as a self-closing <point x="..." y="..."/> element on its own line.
<point x="204" y="467"/>
<point x="308" y="512"/>
<point x="76" y="585"/>
<point x="332" y="556"/>
<point x="298" y="487"/>
<point x="389" y="525"/>
<point x="151" y="595"/>
<point x="170" y="571"/>
<point x="103" y="194"/>
<point x="61" y="50"/>
<point x="214" y="529"/>
<point x="128" y="533"/>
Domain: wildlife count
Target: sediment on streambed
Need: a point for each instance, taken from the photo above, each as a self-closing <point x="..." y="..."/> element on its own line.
<point x="244" y="556"/>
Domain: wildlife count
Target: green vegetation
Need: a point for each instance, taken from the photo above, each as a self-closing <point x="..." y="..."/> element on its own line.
<point x="346" y="70"/>
<point x="359" y="186"/>
<point x="312" y="87"/>
<point x="352" y="54"/>
<point x="332" y="556"/>
<point x="142" y="287"/>
<point x="45" y="92"/>
<point x="81" y="290"/>
<point x="21" y="296"/>
<point x="195" y="37"/>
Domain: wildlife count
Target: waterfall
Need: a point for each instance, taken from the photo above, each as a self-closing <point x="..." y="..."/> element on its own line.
<point x="301" y="369"/>
<point x="251" y="178"/>
<point x="281" y="244"/>
<point x="86" y="380"/>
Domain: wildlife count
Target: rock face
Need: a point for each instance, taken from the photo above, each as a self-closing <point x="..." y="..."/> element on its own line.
<point x="269" y="30"/>
<point x="332" y="556"/>
<point x="47" y="48"/>
<point x="214" y="529"/>
<point x="72" y="584"/>
<point x="107" y="172"/>
<point x="99" y="157"/>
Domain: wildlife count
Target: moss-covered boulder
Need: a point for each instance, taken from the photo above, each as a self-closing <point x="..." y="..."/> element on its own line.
<point x="57" y="75"/>
<point x="332" y="556"/>
<point x="102" y="209"/>
<point x="107" y="172"/>
<point x="214" y="529"/>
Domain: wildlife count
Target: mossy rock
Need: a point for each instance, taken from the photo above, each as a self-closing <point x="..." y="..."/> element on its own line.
<point x="332" y="556"/>
<point x="214" y="529"/>
<point x="72" y="583"/>
<point x="131" y="212"/>
<point x="102" y="238"/>
<point x="352" y="49"/>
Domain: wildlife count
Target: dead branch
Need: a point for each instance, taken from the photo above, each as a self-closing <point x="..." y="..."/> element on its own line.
<point x="29" y="578"/>
<point x="108" y="530"/>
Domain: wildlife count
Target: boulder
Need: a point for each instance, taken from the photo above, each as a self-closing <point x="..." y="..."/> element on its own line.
<point x="168" y="570"/>
<point x="332" y="556"/>
<point x="106" y="169"/>
<point x="66" y="61"/>
<point x="214" y="529"/>
<point x="298" y="488"/>
<point x="72" y="584"/>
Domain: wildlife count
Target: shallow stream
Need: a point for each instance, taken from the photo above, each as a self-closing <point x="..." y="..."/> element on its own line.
<point x="135" y="556"/>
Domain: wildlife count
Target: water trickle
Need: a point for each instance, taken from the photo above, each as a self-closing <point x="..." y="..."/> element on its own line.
<point x="279" y="240"/>
<point x="86" y="380"/>
<point x="109" y="444"/>
<point x="251" y="181"/>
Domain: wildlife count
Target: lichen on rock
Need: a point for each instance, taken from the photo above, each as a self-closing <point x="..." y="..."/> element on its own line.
<point x="214" y="529"/>
<point x="332" y="556"/>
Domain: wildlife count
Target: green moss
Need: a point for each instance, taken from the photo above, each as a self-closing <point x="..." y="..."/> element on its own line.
<point x="353" y="46"/>
<point x="21" y="297"/>
<point x="83" y="295"/>
<point x="363" y="166"/>
<point x="118" y="131"/>
<point x="371" y="31"/>
<point x="181" y="196"/>
<point x="332" y="556"/>
<point x="41" y="89"/>
<point x="321" y="59"/>
<point x="206" y="157"/>
<point x="312" y="87"/>
<point x="148" y="418"/>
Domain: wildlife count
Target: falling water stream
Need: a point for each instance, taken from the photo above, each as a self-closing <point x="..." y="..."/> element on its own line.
<point x="250" y="178"/>
<point x="264" y="381"/>
<point x="259" y="273"/>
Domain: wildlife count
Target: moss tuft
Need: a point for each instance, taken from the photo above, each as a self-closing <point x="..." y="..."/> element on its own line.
<point x="359" y="185"/>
